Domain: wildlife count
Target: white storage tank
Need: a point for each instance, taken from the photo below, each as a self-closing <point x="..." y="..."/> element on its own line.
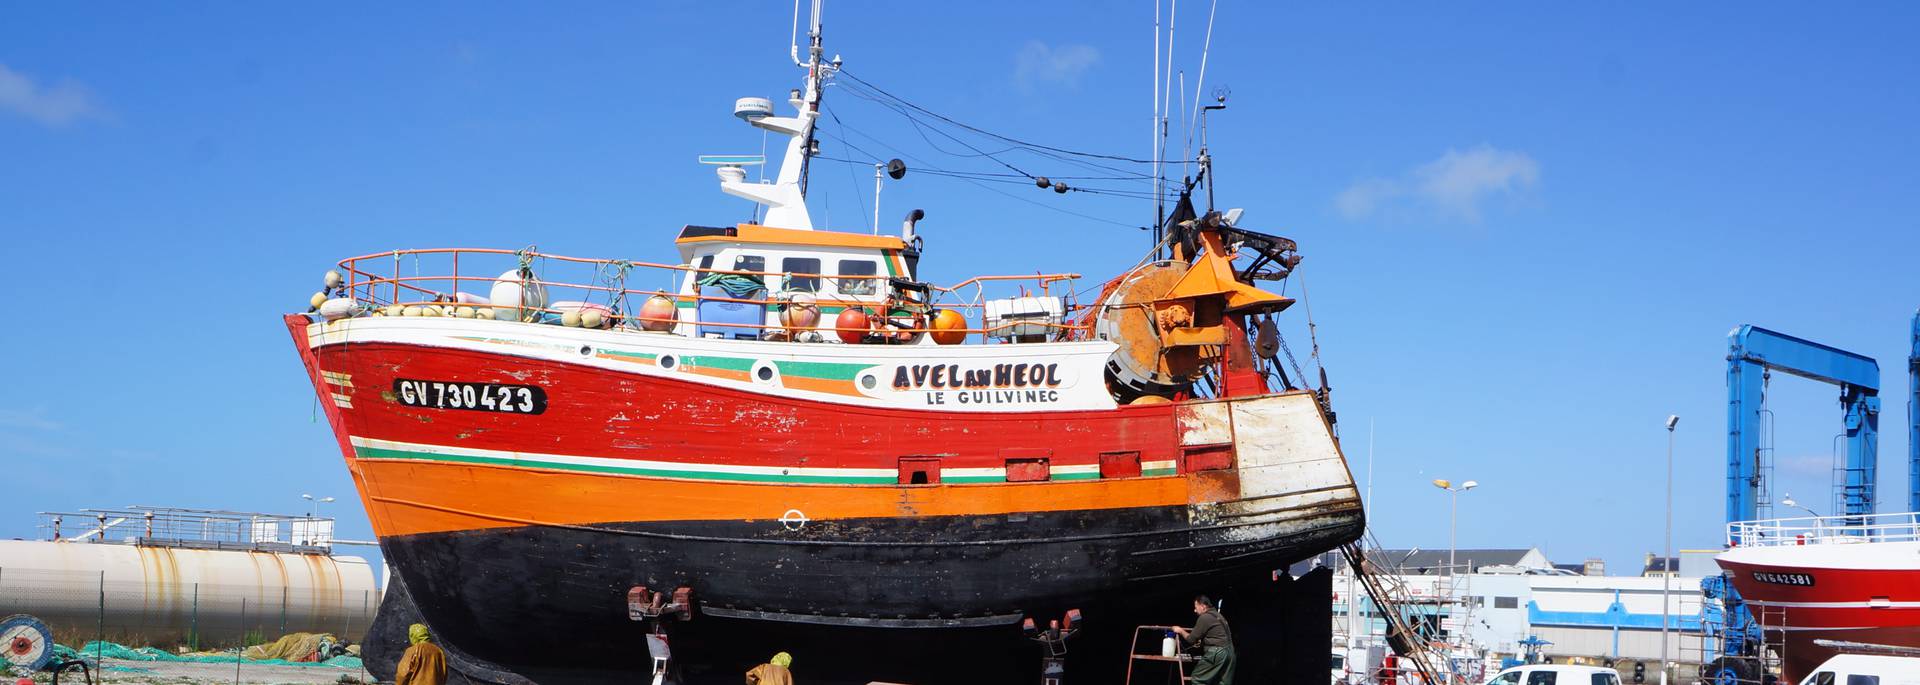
<point x="160" y="595"/>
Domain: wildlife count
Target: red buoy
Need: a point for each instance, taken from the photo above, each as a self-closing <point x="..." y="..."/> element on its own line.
<point x="851" y="325"/>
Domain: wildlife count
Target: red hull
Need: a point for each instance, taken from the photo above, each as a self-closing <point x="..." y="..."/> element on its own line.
<point x="667" y="420"/>
<point x="1865" y="592"/>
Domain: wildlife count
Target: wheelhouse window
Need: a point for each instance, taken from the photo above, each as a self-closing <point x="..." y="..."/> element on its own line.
<point x="803" y="273"/>
<point x="856" y="267"/>
<point x="750" y="262"/>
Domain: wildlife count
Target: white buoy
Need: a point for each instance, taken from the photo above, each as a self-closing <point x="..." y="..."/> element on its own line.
<point x="570" y="318"/>
<point x="592" y="318"/>
<point x="483" y="313"/>
<point x="411" y="311"/>
<point x="333" y="279"/>
<point x="338" y="308"/>
<point x="463" y="312"/>
<point x="515" y="300"/>
<point x="394" y="310"/>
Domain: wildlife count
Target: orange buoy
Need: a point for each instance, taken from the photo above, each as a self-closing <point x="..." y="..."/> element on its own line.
<point x="949" y="327"/>
<point x="851" y="325"/>
<point x="659" y="314"/>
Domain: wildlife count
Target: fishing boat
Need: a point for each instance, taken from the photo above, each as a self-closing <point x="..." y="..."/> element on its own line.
<point x="1815" y="581"/>
<point x="792" y="428"/>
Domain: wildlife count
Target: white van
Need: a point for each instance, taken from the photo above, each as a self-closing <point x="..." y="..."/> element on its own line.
<point x="1866" y="669"/>
<point x="1556" y="674"/>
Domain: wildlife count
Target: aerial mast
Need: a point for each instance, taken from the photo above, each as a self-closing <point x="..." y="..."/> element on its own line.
<point x="786" y="197"/>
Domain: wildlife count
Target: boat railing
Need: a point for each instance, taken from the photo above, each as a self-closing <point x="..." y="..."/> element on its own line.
<point x="448" y="278"/>
<point x="1825" y="530"/>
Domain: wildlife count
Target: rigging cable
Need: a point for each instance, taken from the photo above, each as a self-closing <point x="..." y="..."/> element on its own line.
<point x="986" y="187"/>
<point x="987" y="133"/>
<point x="858" y="192"/>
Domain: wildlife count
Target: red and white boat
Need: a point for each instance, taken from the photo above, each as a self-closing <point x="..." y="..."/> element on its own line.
<point x="791" y="425"/>
<point x="1844" y="578"/>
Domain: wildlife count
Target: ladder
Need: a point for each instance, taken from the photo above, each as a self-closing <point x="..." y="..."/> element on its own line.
<point x="1180" y="659"/>
<point x="1382" y="586"/>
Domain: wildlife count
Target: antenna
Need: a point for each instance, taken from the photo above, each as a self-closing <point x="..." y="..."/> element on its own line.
<point x="1205" y="48"/>
<point x="794" y="37"/>
<point x="1166" y="91"/>
<point x="1153" y="146"/>
<point x="1206" y="158"/>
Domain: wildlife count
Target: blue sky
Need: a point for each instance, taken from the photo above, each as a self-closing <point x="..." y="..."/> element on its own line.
<point x="1527" y="229"/>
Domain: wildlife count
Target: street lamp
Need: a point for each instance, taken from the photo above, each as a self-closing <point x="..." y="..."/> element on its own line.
<point x="1666" y="562"/>
<point x="313" y="504"/>
<point x="1788" y="502"/>
<point x="1453" y="522"/>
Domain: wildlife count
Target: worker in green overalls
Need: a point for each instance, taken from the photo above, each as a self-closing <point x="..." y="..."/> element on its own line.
<point x="1215" y="640"/>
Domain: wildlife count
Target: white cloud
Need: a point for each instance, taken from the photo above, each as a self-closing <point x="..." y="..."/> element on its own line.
<point x="53" y="105"/>
<point x="32" y="420"/>
<point x="1453" y="186"/>
<point x="1039" y="65"/>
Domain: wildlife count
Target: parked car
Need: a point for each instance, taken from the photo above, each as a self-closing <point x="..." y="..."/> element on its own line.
<point x="1866" y="669"/>
<point x="1556" y="674"/>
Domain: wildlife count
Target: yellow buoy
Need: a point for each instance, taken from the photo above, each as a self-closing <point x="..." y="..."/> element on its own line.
<point x="592" y="318"/>
<point x="483" y="313"/>
<point x="411" y="311"/>
<point x="315" y="301"/>
<point x="463" y="312"/>
<point x="394" y="310"/>
<point x="570" y="318"/>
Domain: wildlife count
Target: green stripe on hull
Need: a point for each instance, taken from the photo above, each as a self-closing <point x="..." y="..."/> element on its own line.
<point x="381" y="453"/>
<point x="826" y="371"/>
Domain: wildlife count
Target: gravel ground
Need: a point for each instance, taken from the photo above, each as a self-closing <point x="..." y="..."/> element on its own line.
<point x="190" y="673"/>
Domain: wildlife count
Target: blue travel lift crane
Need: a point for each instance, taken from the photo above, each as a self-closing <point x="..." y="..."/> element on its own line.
<point x="1734" y="639"/>
<point x="1913" y="419"/>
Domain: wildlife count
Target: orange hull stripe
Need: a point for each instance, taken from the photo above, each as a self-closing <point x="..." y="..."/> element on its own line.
<point x="412" y="497"/>
<point x="820" y="385"/>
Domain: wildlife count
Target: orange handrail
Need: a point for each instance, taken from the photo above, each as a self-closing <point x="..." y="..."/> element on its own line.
<point x="365" y="284"/>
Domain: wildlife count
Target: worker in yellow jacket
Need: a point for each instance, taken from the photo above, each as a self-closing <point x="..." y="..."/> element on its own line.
<point x="423" y="663"/>
<point x="774" y="672"/>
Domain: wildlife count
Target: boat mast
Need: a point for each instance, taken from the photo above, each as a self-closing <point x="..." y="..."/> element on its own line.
<point x="786" y="197"/>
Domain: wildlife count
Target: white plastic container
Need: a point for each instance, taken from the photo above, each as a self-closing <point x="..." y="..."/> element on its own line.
<point x="1169" y="646"/>
<point x="1024" y="316"/>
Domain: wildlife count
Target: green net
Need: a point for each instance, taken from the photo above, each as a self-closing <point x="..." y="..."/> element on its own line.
<point x="116" y="651"/>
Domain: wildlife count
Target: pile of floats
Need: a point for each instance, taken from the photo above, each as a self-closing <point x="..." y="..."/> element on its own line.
<point x="517" y="296"/>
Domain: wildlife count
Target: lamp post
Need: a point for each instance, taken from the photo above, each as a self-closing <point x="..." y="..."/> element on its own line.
<point x="1453" y="518"/>
<point x="1453" y="527"/>
<point x="314" y="504"/>
<point x="1788" y="502"/>
<point x="1666" y="562"/>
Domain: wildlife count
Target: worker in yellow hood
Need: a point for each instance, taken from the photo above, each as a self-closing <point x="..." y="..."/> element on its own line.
<point x="774" y="672"/>
<point x="423" y="663"/>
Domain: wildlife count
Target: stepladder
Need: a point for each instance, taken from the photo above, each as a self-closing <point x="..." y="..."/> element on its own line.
<point x="1159" y="667"/>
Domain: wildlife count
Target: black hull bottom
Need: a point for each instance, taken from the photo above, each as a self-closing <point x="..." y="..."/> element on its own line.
<point x="548" y="604"/>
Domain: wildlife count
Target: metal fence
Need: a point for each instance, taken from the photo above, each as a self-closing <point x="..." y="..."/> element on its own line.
<point x="83" y="606"/>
